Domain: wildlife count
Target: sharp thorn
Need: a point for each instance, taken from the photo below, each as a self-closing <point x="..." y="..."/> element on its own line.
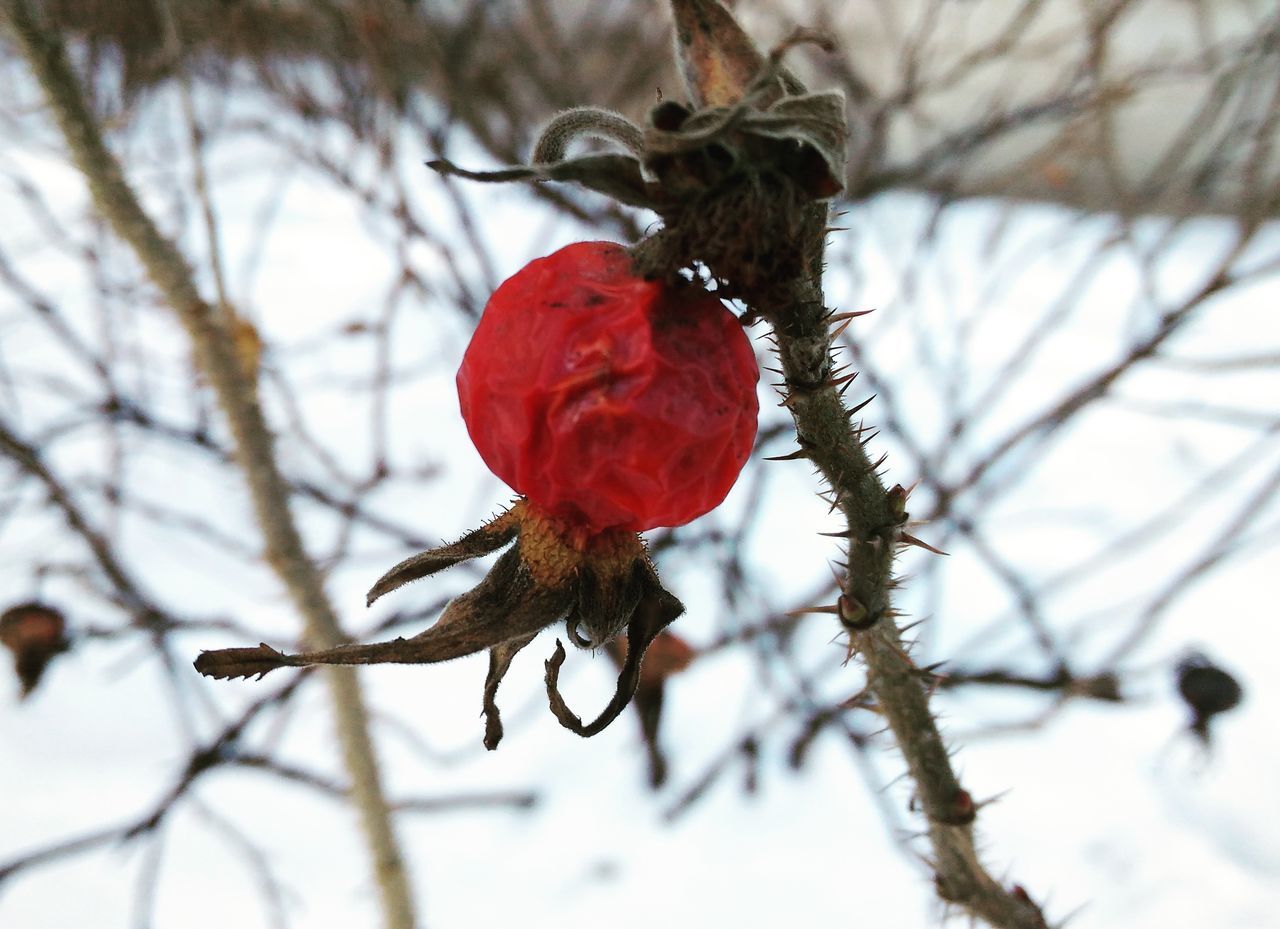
<point x="840" y="317"/>
<point x="833" y="610"/>
<point x="798" y="453"/>
<point x="839" y="330"/>
<point x="908" y="539"/>
<point x="853" y="411"/>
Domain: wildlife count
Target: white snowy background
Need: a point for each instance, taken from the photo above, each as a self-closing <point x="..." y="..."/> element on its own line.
<point x="1107" y="812"/>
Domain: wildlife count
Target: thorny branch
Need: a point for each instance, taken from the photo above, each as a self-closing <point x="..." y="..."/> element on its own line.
<point x="874" y="516"/>
<point x="719" y="63"/>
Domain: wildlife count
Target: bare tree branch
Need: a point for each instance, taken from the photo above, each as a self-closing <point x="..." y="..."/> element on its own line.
<point x="214" y="347"/>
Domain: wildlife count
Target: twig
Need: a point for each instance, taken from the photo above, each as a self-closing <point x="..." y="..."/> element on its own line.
<point x="205" y="758"/>
<point x="1104" y="686"/>
<point x="215" y="351"/>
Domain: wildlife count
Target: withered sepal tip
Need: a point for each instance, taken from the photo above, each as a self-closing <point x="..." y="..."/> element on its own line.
<point x="599" y="584"/>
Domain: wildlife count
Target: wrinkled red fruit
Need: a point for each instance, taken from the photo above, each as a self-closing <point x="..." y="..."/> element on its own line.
<point x="609" y="401"/>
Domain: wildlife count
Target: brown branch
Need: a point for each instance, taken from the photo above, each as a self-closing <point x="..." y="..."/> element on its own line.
<point x="874" y="517"/>
<point x="1104" y="686"/>
<point x="445" y="803"/>
<point x="217" y="752"/>
<point x="1171" y="322"/>
<point x="215" y="352"/>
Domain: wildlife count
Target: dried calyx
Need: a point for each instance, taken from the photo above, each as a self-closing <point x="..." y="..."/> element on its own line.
<point x="732" y="176"/>
<point x="599" y="584"/>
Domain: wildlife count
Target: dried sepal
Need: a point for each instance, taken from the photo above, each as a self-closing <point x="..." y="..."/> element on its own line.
<point x="228" y="663"/>
<point x="656" y="610"/>
<point x="499" y="662"/>
<point x="667" y="655"/>
<point x="717" y="58"/>
<point x="757" y="148"/>
<point x="598" y="583"/>
<point x="802" y="138"/>
<point x="582" y="122"/>
<point x="605" y="604"/>
<point x="741" y="181"/>
<point x="507" y="604"/>
<point x="475" y="544"/>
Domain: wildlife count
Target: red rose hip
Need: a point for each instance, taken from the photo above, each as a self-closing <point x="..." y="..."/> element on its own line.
<point x="608" y="400"/>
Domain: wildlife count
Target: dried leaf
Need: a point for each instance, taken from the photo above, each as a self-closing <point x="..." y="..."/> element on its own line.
<point x="717" y="58"/>
<point x="227" y="663"/>
<point x="669" y="654"/>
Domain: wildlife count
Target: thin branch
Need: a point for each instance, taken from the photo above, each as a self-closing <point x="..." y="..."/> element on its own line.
<point x="215" y="351"/>
<point x="28" y="459"/>
<point x="874" y="516"/>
